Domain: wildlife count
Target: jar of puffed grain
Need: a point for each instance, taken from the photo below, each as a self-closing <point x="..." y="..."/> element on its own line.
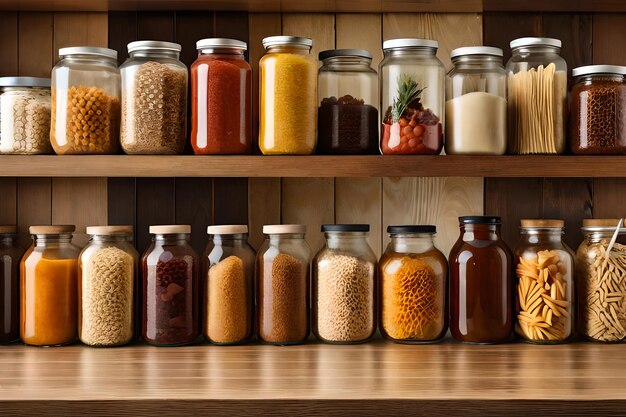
<point x="85" y="101"/>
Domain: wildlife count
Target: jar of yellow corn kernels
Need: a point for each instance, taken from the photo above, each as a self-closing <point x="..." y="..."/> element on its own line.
<point x="85" y="101"/>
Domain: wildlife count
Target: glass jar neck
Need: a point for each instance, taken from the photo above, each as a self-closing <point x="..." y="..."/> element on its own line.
<point x="89" y="59"/>
<point x="412" y="242"/>
<point x="155" y="54"/>
<point x="7" y="240"/>
<point x="334" y="240"/>
<point x="275" y="239"/>
<point x="536" y="49"/>
<point x="238" y="240"/>
<point x="477" y="62"/>
<point x="600" y="77"/>
<point x="538" y="235"/>
<point x="480" y="231"/>
<point x="221" y="51"/>
<point x="348" y="62"/>
<point x="289" y="49"/>
<point x="425" y="51"/>
<point x="597" y="236"/>
<point x="110" y="238"/>
<point x="178" y="239"/>
<point x="41" y="240"/>
<point x="31" y="90"/>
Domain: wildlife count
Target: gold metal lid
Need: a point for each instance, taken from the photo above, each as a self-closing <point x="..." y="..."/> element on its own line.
<point x="600" y="222"/>
<point x="548" y="223"/>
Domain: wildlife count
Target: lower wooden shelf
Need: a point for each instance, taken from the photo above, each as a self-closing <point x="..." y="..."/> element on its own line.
<point x="314" y="379"/>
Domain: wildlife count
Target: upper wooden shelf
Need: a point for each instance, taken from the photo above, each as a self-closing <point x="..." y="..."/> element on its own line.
<point x="379" y="378"/>
<point x="311" y="166"/>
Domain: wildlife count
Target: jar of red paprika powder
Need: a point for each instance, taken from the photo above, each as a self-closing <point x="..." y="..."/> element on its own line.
<point x="221" y="85"/>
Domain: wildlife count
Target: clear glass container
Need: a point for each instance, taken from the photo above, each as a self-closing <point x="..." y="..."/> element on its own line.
<point x="221" y="98"/>
<point x="25" y="116"/>
<point x="412" y="85"/>
<point x="544" y="267"/>
<point x="537" y="97"/>
<point x="481" y="284"/>
<point x="10" y="256"/>
<point x="476" y="102"/>
<point x="601" y="282"/>
<point x="107" y="268"/>
<point x="347" y="122"/>
<point x="229" y="286"/>
<point x="85" y="101"/>
<point x="344" y="280"/>
<point x="288" y="97"/>
<point x="170" y="287"/>
<point x="49" y="288"/>
<point x="154" y="99"/>
<point x="598" y="110"/>
<point x="414" y="286"/>
<point x="282" y="282"/>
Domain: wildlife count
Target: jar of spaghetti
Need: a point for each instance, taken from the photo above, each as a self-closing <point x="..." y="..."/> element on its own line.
<point x="413" y="290"/>
<point x="544" y="267"/>
<point x="170" y="287"/>
<point x="10" y="256"/>
<point x="598" y="111"/>
<point x="282" y="282"/>
<point x="221" y="91"/>
<point x="49" y="288"/>
<point x="412" y="85"/>
<point x="288" y="90"/>
<point x="154" y="99"/>
<point x="228" y="287"/>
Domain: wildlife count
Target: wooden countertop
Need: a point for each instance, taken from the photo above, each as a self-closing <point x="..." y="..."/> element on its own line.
<point x="313" y="379"/>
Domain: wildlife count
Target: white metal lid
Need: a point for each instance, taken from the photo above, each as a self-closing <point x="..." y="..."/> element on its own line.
<point x="51" y="229"/>
<point x="211" y="43"/>
<point x="280" y="229"/>
<point x="88" y="50"/>
<point x="599" y="69"/>
<point x="410" y="43"/>
<point x="153" y="46"/>
<point x="227" y="229"/>
<point x="534" y="41"/>
<point x="476" y="50"/>
<point x="109" y="230"/>
<point x="8" y="230"/>
<point x="170" y="229"/>
<point x="24" y="82"/>
<point x="287" y="40"/>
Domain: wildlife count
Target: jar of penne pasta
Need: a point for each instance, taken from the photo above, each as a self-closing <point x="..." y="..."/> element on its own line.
<point x="544" y="266"/>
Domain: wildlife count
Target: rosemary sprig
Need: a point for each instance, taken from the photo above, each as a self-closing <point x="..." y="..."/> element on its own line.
<point x="408" y="91"/>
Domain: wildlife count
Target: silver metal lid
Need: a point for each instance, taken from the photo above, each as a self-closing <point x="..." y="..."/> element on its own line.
<point x="599" y="69"/>
<point x="24" y="82"/>
<point x="410" y="43"/>
<point x="331" y="53"/>
<point x="533" y="41"/>
<point x="476" y="50"/>
<point x="287" y="40"/>
<point x="211" y="43"/>
<point x="153" y="46"/>
<point x="88" y="50"/>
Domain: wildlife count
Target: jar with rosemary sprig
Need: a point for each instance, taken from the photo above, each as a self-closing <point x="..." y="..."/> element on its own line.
<point x="412" y="97"/>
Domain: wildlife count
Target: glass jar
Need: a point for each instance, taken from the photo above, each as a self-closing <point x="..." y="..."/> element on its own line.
<point x="85" y="101"/>
<point x="412" y="97"/>
<point x="288" y="89"/>
<point x="106" y="271"/>
<point x="481" y="287"/>
<point x="282" y="280"/>
<point x="154" y="99"/>
<point x="49" y="288"/>
<point x="25" y="116"/>
<point x="545" y="283"/>
<point x="170" y="285"/>
<point x="343" y="293"/>
<point x="414" y="287"/>
<point x="601" y="282"/>
<point x="476" y="102"/>
<point x="229" y="287"/>
<point x="537" y="97"/>
<point x="10" y="255"/>
<point x="221" y="98"/>
<point x="347" y="121"/>
<point x="598" y="111"/>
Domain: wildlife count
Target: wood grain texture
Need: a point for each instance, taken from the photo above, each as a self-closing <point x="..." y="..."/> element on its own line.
<point x="156" y="26"/>
<point x="8" y="201"/>
<point x="264" y="204"/>
<point x="575" y="31"/>
<point x="499" y="29"/>
<point x="123" y="27"/>
<point x="121" y="201"/>
<point x="155" y="205"/>
<point x="607" y="29"/>
<point x="569" y="199"/>
<point x="194" y="207"/>
<point x="8" y="43"/>
<point x="80" y="29"/>
<point x="609" y="198"/>
<point x="190" y="28"/>
<point x="36" y="36"/>
<point x="34" y="206"/>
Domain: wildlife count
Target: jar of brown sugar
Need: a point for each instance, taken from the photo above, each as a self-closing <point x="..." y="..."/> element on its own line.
<point x="85" y="101"/>
<point x="598" y="112"/>
<point x="282" y="316"/>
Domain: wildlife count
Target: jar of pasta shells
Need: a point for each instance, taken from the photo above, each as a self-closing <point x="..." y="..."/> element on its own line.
<point x="413" y="290"/>
<point x="544" y="266"/>
<point x="601" y="279"/>
<point x="85" y="101"/>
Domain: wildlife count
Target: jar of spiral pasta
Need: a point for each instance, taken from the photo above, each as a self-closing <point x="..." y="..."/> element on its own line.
<point x="413" y="290"/>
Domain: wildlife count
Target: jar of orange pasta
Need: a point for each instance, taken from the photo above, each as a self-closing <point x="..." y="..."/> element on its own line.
<point x="413" y="274"/>
<point x="49" y="288"/>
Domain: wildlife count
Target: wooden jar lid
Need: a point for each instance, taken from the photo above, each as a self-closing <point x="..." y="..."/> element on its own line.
<point x="51" y="230"/>
<point x="550" y="223"/>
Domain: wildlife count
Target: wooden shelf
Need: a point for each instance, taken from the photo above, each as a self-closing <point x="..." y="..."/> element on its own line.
<point x="311" y="166"/>
<point x="380" y="377"/>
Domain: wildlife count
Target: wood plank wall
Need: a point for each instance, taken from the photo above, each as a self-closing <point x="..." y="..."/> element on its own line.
<point x="28" y="45"/>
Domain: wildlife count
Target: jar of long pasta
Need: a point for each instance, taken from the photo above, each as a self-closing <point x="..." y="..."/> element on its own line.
<point x="545" y="283"/>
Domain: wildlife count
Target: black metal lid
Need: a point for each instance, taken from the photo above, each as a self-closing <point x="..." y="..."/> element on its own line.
<point x="330" y="53"/>
<point x="411" y="228"/>
<point x="345" y="228"/>
<point x="480" y="220"/>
